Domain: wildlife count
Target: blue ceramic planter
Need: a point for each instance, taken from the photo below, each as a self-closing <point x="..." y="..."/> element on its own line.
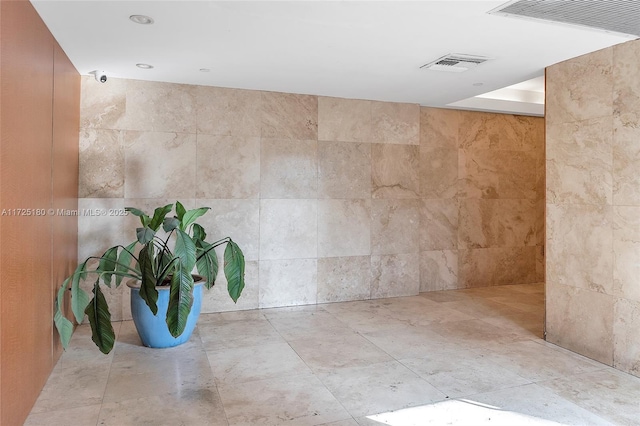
<point x="153" y="329"/>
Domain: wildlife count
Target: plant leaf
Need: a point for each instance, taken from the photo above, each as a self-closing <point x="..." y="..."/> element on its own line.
<point x="180" y="300"/>
<point x="185" y="250"/>
<point x="144" y="219"/>
<point x="198" y="232"/>
<point x="170" y="223"/>
<point x="180" y="210"/>
<point x="207" y="263"/>
<point x="234" y="269"/>
<point x="108" y="264"/>
<point x="159" y="215"/>
<point x="124" y="260"/>
<point x="100" y="320"/>
<point x="64" y="326"/>
<point x="79" y="297"/>
<point x="145" y="234"/>
<point x="148" y="290"/>
<point x="190" y="217"/>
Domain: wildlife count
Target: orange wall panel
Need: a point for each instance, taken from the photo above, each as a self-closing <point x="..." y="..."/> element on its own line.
<point x="66" y="128"/>
<point x="38" y="169"/>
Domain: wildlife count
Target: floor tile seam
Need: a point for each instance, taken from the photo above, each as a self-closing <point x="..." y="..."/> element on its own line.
<point x="568" y="352"/>
<point x="353" y="415"/>
<point x="460" y="397"/>
<point x="489" y="361"/>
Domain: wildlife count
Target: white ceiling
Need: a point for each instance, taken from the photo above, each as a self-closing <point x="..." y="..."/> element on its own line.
<point x="350" y="49"/>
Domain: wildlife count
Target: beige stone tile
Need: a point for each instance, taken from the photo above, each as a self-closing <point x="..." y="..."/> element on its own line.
<point x="82" y="350"/>
<point x="347" y="120"/>
<point x="626" y="77"/>
<point x="200" y="406"/>
<point x="159" y="165"/>
<point x="227" y="166"/>
<point x="339" y="350"/>
<point x="97" y="229"/>
<point x="141" y="373"/>
<point x="160" y="107"/>
<point x="575" y="257"/>
<point x="395" y="171"/>
<point x="395" y="275"/>
<point x="438" y="224"/>
<point x="86" y="415"/>
<point x="348" y="422"/>
<point x="626" y="341"/>
<point x="610" y="394"/>
<point x="438" y="173"/>
<point x="571" y="323"/>
<point x="490" y="173"/>
<point x="496" y="266"/>
<point x="344" y="278"/>
<point x="580" y="88"/>
<point x="474" y="334"/>
<point x="103" y="106"/>
<point x="289" y="116"/>
<point x="288" y="229"/>
<point x="626" y="252"/>
<point x="222" y="111"/>
<point x="527" y="324"/>
<point x="480" y="307"/>
<point x="236" y="219"/>
<point x="439" y="128"/>
<point x="249" y="363"/>
<point x="288" y="168"/>
<point x="626" y="155"/>
<point x="300" y="322"/>
<point x="538" y="361"/>
<point x="496" y="223"/>
<point x="344" y="228"/>
<point x="421" y="311"/>
<point x="101" y="161"/>
<point x="534" y="405"/>
<point x="580" y="162"/>
<point x="395" y="123"/>
<point x="87" y="387"/>
<point x="482" y="130"/>
<point x="344" y="170"/>
<point x="412" y="342"/>
<point x="462" y="374"/>
<point x="217" y="299"/>
<point x="438" y="270"/>
<point x="293" y="400"/>
<point x="229" y="334"/>
<point x="365" y="316"/>
<point x="288" y="282"/>
<point x="392" y="226"/>
<point x="379" y="388"/>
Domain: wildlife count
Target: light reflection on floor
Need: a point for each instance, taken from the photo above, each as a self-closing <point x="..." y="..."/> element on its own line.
<point x="462" y="412"/>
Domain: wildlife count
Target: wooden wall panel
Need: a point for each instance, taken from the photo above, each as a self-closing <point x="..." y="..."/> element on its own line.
<point x="66" y="128"/>
<point x="27" y="158"/>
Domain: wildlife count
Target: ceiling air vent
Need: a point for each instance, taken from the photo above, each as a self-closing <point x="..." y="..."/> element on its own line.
<point x="455" y="62"/>
<point x="620" y="16"/>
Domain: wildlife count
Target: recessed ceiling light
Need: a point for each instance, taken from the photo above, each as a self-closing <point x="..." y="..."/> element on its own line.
<point x="144" y="66"/>
<point x="204" y="70"/>
<point x="141" y="19"/>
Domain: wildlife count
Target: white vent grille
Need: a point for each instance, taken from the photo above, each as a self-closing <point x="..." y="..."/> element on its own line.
<point x="620" y="16"/>
<point x="455" y="62"/>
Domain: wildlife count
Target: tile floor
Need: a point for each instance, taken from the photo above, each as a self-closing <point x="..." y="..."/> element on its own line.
<point x="466" y="357"/>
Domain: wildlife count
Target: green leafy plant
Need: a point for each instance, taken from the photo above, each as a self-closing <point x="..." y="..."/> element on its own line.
<point x="156" y="264"/>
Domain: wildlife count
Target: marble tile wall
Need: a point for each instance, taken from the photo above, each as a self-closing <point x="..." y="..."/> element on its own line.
<point x="331" y="199"/>
<point x="593" y="205"/>
<point x="482" y="211"/>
